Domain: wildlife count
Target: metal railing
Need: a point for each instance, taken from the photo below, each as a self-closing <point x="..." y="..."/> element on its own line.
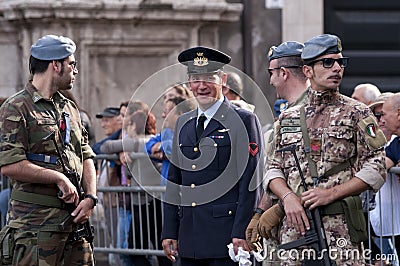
<point x="128" y="219"/>
<point x="142" y="205"/>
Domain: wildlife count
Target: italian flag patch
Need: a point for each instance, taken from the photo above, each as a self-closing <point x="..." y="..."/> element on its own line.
<point x="371" y="130"/>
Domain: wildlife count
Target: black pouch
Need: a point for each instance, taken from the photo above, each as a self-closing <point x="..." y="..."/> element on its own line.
<point x="6" y="245"/>
<point x="355" y="219"/>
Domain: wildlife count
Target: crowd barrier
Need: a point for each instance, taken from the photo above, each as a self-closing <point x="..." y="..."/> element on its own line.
<point x="140" y="211"/>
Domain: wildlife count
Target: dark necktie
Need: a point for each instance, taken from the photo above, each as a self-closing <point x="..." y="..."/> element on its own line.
<point x="200" y="125"/>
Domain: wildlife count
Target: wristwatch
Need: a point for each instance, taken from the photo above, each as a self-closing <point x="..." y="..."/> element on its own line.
<point x="258" y="210"/>
<point x="93" y="198"/>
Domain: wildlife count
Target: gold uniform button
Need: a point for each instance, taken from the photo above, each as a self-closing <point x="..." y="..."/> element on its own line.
<point x="195" y="149"/>
<point x="230" y="212"/>
<point x="192" y="185"/>
<point x="193" y="166"/>
<point x="193" y="204"/>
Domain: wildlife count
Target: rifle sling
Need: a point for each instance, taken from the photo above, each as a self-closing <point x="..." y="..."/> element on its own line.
<point x="311" y="163"/>
<point x="38" y="199"/>
<point x="335" y="207"/>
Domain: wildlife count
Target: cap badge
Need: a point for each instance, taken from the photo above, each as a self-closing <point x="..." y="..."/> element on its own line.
<point x="271" y="51"/>
<point x="200" y="60"/>
<point x="339" y="45"/>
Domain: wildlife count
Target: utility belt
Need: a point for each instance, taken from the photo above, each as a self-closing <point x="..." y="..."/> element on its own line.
<point x="351" y="207"/>
<point x="38" y="199"/>
<point x="52" y="202"/>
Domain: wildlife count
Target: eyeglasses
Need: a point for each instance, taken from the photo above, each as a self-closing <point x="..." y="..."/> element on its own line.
<point x="214" y="78"/>
<point x="329" y="62"/>
<point x="74" y="64"/>
<point x="276" y="68"/>
<point x="378" y="116"/>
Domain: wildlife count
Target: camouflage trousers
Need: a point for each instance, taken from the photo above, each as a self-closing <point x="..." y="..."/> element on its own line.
<point x="50" y="248"/>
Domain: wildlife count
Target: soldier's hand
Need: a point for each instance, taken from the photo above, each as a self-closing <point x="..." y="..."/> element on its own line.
<point x="83" y="211"/>
<point x="67" y="191"/>
<point x="295" y="215"/>
<point x="170" y="247"/>
<point x="251" y="231"/>
<point x="270" y="219"/>
<point x="316" y="197"/>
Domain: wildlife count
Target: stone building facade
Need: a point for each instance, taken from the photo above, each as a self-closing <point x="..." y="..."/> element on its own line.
<point x="121" y="43"/>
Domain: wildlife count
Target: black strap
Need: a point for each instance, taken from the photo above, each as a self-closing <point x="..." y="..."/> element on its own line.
<point x="307" y="143"/>
<point x="311" y="163"/>
<point x="38" y="199"/>
<point x="200" y="125"/>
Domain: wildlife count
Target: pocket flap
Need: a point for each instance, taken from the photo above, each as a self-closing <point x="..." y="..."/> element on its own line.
<point x="355" y="214"/>
<point x="221" y="210"/>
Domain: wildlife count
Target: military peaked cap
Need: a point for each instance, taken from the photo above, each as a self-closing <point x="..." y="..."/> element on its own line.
<point x="201" y="60"/>
<point x="108" y="112"/>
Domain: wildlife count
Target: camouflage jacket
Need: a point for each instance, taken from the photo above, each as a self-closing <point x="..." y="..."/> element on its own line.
<point x="27" y="118"/>
<point x="339" y="129"/>
<point x="269" y="140"/>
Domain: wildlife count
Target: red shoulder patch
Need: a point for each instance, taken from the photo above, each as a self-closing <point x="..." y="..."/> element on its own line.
<point x="253" y="148"/>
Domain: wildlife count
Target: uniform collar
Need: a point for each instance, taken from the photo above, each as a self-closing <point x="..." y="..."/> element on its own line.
<point x="324" y="97"/>
<point x="299" y="100"/>
<point x="36" y="97"/>
<point x="210" y="112"/>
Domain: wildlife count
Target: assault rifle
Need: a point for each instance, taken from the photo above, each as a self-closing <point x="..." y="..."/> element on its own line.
<point x="85" y="230"/>
<point x="315" y="237"/>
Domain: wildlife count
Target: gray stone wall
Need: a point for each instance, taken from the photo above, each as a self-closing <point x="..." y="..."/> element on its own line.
<point x="120" y="43"/>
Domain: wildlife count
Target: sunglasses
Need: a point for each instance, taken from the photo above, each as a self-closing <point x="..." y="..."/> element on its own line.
<point x="329" y="62"/>
<point x="378" y="116"/>
<point x="276" y="68"/>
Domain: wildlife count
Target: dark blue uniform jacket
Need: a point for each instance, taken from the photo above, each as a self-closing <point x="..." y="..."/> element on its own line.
<point x="208" y="200"/>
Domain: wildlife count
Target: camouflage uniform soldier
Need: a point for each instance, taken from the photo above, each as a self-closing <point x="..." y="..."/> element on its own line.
<point x="286" y="76"/>
<point x="344" y="140"/>
<point x="40" y="228"/>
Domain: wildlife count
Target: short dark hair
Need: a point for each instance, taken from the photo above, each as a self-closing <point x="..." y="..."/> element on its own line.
<point x="124" y="103"/>
<point x="234" y="83"/>
<point x="37" y="66"/>
<point x="293" y="61"/>
<point x="176" y="100"/>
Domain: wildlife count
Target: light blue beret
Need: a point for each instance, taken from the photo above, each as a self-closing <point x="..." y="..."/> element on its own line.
<point x="52" y="47"/>
<point x="320" y="45"/>
<point x="285" y="49"/>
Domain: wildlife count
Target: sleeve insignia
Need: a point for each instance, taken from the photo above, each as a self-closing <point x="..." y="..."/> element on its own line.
<point x="253" y="148"/>
<point x="371" y="130"/>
